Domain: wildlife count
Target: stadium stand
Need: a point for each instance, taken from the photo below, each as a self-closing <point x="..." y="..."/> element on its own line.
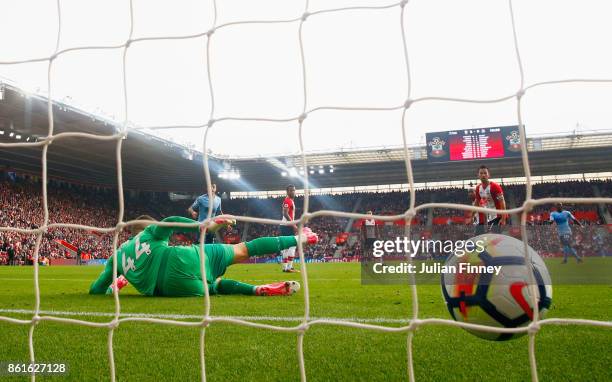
<point x="20" y="200"/>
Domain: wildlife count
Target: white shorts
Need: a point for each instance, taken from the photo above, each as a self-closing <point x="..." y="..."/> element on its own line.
<point x="289" y="252"/>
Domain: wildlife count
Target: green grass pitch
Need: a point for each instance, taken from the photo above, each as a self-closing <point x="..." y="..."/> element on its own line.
<point x="146" y="351"/>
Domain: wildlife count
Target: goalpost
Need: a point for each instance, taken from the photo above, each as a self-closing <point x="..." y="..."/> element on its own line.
<point x="302" y="122"/>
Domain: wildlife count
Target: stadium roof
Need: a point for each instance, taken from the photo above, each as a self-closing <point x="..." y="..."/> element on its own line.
<point x="149" y="162"/>
<point x="390" y="154"/>
<point x="152" y="163"/>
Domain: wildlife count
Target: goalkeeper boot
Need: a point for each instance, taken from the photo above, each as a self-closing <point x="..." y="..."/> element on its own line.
<point x="284" y="288"/>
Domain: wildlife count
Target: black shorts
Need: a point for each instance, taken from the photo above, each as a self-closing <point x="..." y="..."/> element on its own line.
<point x="494" y="221"/>
<point x="210" y="238"/>
<point x="493" y="225"/>
<point x="369" y="242"/>
<point x="491" y="222"/>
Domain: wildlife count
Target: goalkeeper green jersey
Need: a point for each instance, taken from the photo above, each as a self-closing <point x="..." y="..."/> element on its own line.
<point x="141" y="257"/>
<point x="155" y="268"/>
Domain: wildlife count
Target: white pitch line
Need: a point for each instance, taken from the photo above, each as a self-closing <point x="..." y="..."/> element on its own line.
<point x="199" y="317"/>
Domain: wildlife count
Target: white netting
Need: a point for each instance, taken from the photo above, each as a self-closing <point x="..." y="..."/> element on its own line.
<point x="413" y="323"/>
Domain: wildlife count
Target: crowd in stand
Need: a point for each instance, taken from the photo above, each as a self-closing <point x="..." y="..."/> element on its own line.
<point x="21" y="206"/>
<point x="561" y="189"/>
<point x="515" y="195"/>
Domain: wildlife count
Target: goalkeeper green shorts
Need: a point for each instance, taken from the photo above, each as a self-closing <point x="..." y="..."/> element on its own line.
<point x="182" y="276"/>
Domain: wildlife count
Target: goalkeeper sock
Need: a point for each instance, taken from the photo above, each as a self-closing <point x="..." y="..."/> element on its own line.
<point x="270" y="245"/>
<point x="226" y="286"/>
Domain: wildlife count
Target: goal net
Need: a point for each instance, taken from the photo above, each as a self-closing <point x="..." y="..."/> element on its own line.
<point x="301" y="121"/>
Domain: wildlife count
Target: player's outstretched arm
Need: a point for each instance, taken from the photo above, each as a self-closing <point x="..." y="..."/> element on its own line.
<point x="164" y="233"/>
<point x="104" y="280"/>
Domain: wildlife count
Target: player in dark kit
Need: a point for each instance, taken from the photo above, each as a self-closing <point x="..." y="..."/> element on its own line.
<point x="489" y="194"/>
<point x="370" y="233"/>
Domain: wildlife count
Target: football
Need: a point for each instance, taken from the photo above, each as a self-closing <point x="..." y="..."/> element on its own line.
<point x="501" y="297"/>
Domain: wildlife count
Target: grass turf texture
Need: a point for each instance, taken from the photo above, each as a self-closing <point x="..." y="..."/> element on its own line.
<point x="144" y="351"/>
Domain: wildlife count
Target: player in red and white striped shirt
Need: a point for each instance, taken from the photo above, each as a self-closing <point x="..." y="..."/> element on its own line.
<point x="489" y="194"/>
<point x="288" y="211"/>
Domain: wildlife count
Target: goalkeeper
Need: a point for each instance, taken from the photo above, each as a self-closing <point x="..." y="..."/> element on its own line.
<point x="156" y="268"/>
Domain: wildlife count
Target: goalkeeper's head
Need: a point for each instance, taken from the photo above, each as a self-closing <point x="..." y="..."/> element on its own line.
<point x="139" y="227"/>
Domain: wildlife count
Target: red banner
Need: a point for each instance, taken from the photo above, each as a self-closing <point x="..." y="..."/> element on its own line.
<point x="71" y="248"/>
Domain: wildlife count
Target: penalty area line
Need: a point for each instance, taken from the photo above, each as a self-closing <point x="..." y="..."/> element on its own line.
<point x="199" y="317"/>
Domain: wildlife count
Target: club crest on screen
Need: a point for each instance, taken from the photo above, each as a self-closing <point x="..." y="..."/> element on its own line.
<point x="514" y="140"/>
<point x="437" y="147"/>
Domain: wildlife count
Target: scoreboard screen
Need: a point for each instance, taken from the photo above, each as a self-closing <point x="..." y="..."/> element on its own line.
<point x="473" y="144"/>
